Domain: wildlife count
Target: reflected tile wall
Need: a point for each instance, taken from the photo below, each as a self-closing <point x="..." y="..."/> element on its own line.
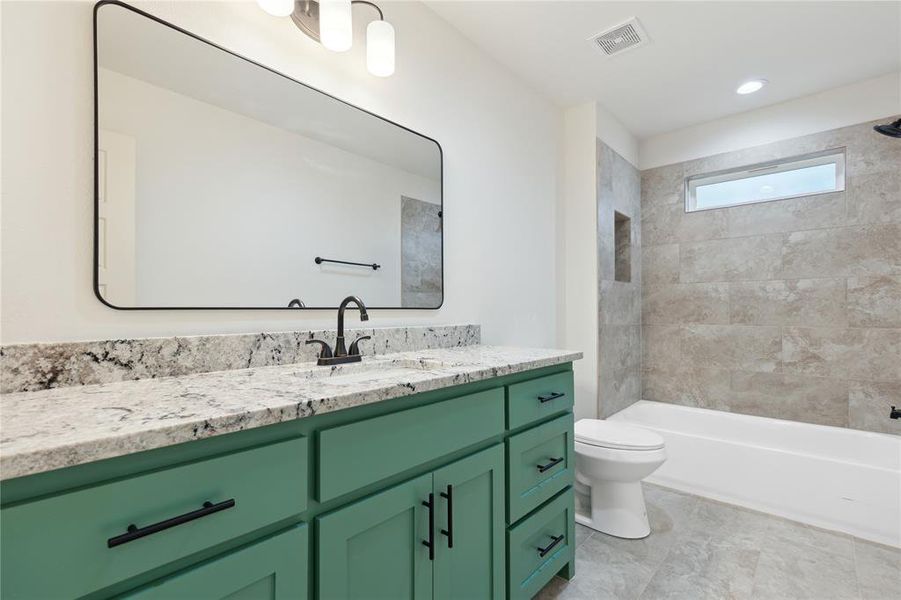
<point x="788" y="309"/>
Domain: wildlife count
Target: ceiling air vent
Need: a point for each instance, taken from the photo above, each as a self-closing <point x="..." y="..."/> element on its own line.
<point x="625" y="36"/>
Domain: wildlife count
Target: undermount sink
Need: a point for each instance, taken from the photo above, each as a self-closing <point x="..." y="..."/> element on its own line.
<point x="375" y="368"/>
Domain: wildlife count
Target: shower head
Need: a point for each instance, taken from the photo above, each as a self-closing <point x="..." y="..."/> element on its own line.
<point x="891" y="130"/>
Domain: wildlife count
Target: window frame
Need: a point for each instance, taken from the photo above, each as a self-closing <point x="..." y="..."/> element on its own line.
<point x="836" y="156"/>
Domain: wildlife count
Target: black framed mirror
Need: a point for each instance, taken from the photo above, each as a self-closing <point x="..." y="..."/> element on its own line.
<point x="223" y="184"/>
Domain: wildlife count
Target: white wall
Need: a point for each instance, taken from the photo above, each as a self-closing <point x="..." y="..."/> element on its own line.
<point x="229" y="209"/>
<point x="612" y="132"/>
<point x="839" y="107"/>
<point x="499" y="140"/>
<point x="578" y="246"/>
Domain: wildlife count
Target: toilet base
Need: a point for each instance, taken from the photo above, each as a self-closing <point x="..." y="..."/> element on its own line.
<point x="617" y="509"/>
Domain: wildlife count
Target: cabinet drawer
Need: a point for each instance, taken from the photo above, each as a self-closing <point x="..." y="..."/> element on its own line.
<point x="355" y="455"/>
<point x="539" y="464"/>
<point x="539" y="546"/>
<point x="539" y="398"/>
<point x="72" y="531"/>
<point x="275" y="568"/>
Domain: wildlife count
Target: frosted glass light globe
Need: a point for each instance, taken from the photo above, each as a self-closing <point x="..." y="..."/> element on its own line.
<point x="380" y="48"/>
<point x="277" y="8"/>
<point x="336" y="25"/>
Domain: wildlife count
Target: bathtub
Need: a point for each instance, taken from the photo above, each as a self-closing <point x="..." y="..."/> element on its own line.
<point x="830" y="477"/>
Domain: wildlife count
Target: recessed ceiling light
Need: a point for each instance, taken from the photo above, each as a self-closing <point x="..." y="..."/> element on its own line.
<point x="749" y="87"/>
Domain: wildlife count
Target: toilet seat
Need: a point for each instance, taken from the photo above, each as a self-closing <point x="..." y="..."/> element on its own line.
<point x="616" y="436"/>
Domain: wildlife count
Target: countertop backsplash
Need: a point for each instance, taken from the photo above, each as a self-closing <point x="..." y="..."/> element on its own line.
<point x="32" y="367"/>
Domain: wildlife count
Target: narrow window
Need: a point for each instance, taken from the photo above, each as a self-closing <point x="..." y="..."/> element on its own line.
<point x="806" y="175"/>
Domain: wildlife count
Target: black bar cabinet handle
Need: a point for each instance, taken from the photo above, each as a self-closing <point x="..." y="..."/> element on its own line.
<point x="134" y="532"/>
<point x="430" y="544"/>
<point x="374" y="266"/>
<point x="449" y="532"/>
<point x="556" y="540"/>
<point x="550" y="465"/>
<point x="548" y="397"/>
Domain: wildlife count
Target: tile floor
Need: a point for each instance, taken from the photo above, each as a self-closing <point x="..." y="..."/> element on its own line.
<point x="702" y="549"/>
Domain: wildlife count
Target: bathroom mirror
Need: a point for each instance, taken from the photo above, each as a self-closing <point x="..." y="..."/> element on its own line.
<point x="223" y="184"/>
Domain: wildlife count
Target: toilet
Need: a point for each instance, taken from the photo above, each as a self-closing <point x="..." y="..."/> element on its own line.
<point x="611" y="460"/>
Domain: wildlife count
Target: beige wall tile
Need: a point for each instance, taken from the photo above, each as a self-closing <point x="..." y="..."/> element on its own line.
<point x="870" y="403"/>
<point x="802" y="302"/>
<point x="668" y="304"/>
<point x="700" y="387"/>
<point x="758" y="257"/>
<point x="733" y="347"/>
<point x="670" y="223"/>
<point x="875" y="197"/>
<point x="618" y="391"/>
<point x="794" y="397"/>
<point x="865" y="354"/>
<point x="793" y="214"/>
<point x="661" y="346"/>
<point x="619" y="303"/>
<point x="874" y="301"/>
<point x="660" y="264"/>
<point x="619" y="347"/>
<point x="843" y="252"/>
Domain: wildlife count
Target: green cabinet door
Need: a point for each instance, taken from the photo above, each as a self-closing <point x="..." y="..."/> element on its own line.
<point x="275" y="568"/>
<point x="374" y="549"/>
<point x="469" y="560"/>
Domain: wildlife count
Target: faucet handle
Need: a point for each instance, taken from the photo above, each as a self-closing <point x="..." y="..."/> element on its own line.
<point x="326" y="351"/>
<point x="355" y="346"/>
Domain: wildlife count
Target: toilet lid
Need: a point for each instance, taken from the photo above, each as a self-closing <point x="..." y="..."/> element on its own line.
<point x="609" y="434"/>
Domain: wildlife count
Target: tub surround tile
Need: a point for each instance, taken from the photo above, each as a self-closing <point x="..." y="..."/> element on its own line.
<point x="758" y="257"/>
<point x="619" y="303"/>
<point x="796" y="397"/>
<point x="618" y="389"/>
<point x="824" y="269"/>
<point x="875" y="197"/>
<point x="874" y="301"/>
<point x="684" y="303"/>
<point x="31" y="367"/>
<point x="869" y="404"/>
<point x="860" y="354"/>
<point x="63" y="427"/>
<point x="733" y="347"/>
<point x="801" y="302"/>
<point x="843" y="252"/>
<point x="784" y="216"/>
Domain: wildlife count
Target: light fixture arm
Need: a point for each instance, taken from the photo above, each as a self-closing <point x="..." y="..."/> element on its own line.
<point x="373" y="5"/>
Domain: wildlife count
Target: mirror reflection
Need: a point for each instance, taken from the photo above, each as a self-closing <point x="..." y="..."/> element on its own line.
<point x="224" y="184"/>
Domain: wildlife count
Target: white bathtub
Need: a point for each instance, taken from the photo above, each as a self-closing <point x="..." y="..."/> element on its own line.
<point x="830" y="477"/>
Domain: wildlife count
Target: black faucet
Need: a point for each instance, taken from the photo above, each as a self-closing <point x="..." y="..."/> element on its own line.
<point x="895" y="414"/>
<point x="341" y="354"/>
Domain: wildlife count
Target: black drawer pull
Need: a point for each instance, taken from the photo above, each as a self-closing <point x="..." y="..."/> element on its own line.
<point x="134" y="532"/>
<point x="554" y="462"/>
<point x="548" y="397"/>
<point x="430" y="544"/>
<point x="556" y="540"/>
<point x="449" y="532"/>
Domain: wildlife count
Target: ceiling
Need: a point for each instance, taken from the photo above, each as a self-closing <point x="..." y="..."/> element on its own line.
<point x="699" y="52"/>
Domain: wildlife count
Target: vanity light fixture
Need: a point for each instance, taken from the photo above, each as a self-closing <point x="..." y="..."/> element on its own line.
<point x="749" y="87"/>
<point x="330" y="23"/>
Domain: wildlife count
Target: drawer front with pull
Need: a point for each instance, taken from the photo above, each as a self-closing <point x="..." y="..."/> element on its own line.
<point x="97" y="536"/>
<point x="539" y="464"/>
<point x="540" y="546"/>
<point x="536" y="399"/>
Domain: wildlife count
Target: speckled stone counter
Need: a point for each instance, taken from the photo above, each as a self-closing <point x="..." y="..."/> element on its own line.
<point x="56" y="428"/>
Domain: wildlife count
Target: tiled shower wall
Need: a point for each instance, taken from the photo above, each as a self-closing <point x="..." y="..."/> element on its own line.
<point x="619" y="282"/>
<point x="788" y="309"/>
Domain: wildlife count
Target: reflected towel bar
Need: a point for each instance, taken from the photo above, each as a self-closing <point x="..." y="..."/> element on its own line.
<point x="319" y="260"/>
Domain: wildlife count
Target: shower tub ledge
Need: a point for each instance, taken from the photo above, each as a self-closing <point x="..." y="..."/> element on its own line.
<point x="830" y="477"/>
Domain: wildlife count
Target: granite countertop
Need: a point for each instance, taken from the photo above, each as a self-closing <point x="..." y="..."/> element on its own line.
<point x="51" y="429"/>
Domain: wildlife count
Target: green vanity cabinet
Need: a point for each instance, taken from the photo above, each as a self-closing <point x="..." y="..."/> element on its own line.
<point x="343" y="504"/>
<point x="440" y="535"/>
<point x="267" y="569"/>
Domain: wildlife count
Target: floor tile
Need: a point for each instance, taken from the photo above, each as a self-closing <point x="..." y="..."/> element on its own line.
<point x="703" y="567"/>
<point x="878" y="571"/>
<point x="793" y="570"/>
